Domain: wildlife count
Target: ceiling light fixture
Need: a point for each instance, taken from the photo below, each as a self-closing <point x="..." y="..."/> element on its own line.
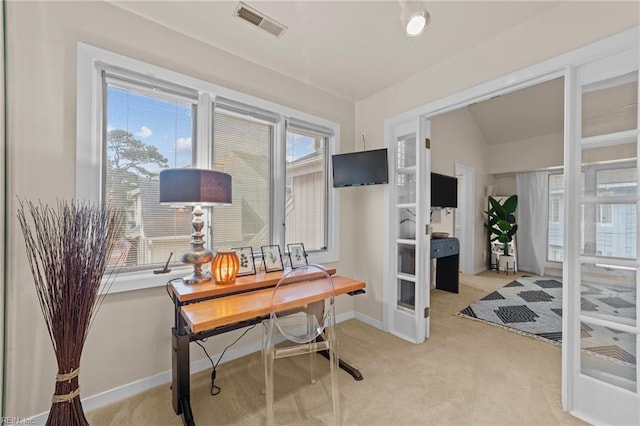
<point x="414" y="17"/>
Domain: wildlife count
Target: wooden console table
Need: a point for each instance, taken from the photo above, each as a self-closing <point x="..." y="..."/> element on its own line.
<point x="207" y="309"/>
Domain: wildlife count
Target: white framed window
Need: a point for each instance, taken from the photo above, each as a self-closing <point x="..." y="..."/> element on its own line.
<point x="307" y="184"/>
<point x="144" y="131"/>
<point x="134" y="119"/>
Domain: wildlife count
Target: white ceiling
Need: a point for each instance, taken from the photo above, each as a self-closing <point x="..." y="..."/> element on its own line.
<point x="352" y="49"/>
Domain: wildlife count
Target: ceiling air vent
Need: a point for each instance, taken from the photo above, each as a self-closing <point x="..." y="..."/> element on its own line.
<point x="259" y="20"/>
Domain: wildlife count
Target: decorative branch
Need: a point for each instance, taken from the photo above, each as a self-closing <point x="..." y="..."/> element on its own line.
<point x="68" y="247"/>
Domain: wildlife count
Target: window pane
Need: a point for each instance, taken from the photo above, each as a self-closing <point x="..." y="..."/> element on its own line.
<point x="306" y="190"/>
<point x="406" y="152"/>
<point x="616" y="230"/>
<point x="617" y="182"/>
<point x="145" y="134"/>
<point x="242" y="147"/>
<point x="556" y="210"/>
<point x="616" y="223"/>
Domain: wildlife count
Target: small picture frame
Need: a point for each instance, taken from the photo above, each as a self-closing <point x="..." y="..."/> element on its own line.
<point x="271" y="258"/>
<point x="247" y="264"/>
<point x="297" y="255"/>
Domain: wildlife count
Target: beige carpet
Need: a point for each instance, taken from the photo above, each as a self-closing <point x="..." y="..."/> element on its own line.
<point x="467" y="373"/>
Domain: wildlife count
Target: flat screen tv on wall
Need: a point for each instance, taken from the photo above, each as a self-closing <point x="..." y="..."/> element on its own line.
<point x="444" y="191"/>
<point x="360" y="168"/>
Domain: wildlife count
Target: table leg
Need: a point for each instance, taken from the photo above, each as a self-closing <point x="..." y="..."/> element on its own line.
<point x="354" y="372"/>
<point x="180" y="385"/>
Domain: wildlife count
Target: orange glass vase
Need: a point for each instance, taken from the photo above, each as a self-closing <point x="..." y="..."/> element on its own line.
<point x="224" y="267"/>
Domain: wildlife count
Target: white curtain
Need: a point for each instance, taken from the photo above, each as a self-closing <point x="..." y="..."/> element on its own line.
<point x="532" y="212"/>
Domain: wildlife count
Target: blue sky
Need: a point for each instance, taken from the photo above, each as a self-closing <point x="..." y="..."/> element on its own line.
<point x="298" y="146"/>
<point x="165" y="124"/>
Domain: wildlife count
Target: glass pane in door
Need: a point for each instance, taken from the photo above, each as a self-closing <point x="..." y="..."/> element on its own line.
<point x="406" y="223"/>
<point x="407" y="259"/>
<point x="610" y="106"/>
<point x="406" y="152"/>
<point x="608" y="292"/>
<point x="406" y="294"/>
<point x="406" y="187"/>
<point x="608" y="355"/>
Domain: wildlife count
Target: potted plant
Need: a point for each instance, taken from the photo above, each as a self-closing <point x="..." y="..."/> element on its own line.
<point x="502" y="224"/>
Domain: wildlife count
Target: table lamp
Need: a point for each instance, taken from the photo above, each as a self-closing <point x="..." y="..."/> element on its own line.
<point x="225" y="267"/>
<point x="197" y="188"/>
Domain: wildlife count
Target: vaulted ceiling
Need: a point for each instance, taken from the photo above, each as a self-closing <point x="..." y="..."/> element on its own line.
<point x="524" y="114"/>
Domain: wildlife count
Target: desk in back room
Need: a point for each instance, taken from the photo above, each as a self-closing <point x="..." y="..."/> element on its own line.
<point x="207" y="309"/>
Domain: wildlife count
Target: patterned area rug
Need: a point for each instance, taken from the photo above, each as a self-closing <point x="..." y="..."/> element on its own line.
<point x="533" y="306"/>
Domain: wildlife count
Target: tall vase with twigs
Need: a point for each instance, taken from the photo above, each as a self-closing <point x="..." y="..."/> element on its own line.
<point x="68" y="248"/>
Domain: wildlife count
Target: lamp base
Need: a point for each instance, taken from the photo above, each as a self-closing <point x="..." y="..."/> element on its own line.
<point x="197" y="258"/>
<point x="199" y="255"/>
<point x="197" y="278"/>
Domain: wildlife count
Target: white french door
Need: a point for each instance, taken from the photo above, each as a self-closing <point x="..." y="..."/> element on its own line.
<point x="408" y="283"/>
<point x="600" y="312"/>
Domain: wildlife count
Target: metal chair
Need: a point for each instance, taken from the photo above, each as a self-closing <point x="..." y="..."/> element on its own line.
<point x="308" y="330"/>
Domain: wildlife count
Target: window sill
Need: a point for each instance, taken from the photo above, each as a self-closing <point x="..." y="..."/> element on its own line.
<point x="139" y="280"/>
<point x="329" y="256"/>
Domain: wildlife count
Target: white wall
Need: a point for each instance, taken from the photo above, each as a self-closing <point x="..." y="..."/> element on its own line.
<point x="526" y="155"/>
<point x="562" y="29"/>
<point x="130" y="339"/>
<point x="455" y="137"/>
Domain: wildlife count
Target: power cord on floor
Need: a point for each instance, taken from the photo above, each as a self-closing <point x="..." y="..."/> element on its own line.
<point x="215" y="390"/>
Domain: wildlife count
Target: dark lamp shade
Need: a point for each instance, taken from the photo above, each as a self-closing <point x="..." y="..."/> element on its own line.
<point x="194" y="187"/>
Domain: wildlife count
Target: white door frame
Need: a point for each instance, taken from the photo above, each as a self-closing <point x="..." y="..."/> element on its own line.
<point x="547" y="70"/>
<point x="466" y="244"/>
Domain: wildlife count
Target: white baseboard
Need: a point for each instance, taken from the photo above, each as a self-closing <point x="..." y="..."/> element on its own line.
<point x="480" y="269"/>
<point x="345" y="316"/>
<point x="130" y="389"/>
<point x="368" y="320"/>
